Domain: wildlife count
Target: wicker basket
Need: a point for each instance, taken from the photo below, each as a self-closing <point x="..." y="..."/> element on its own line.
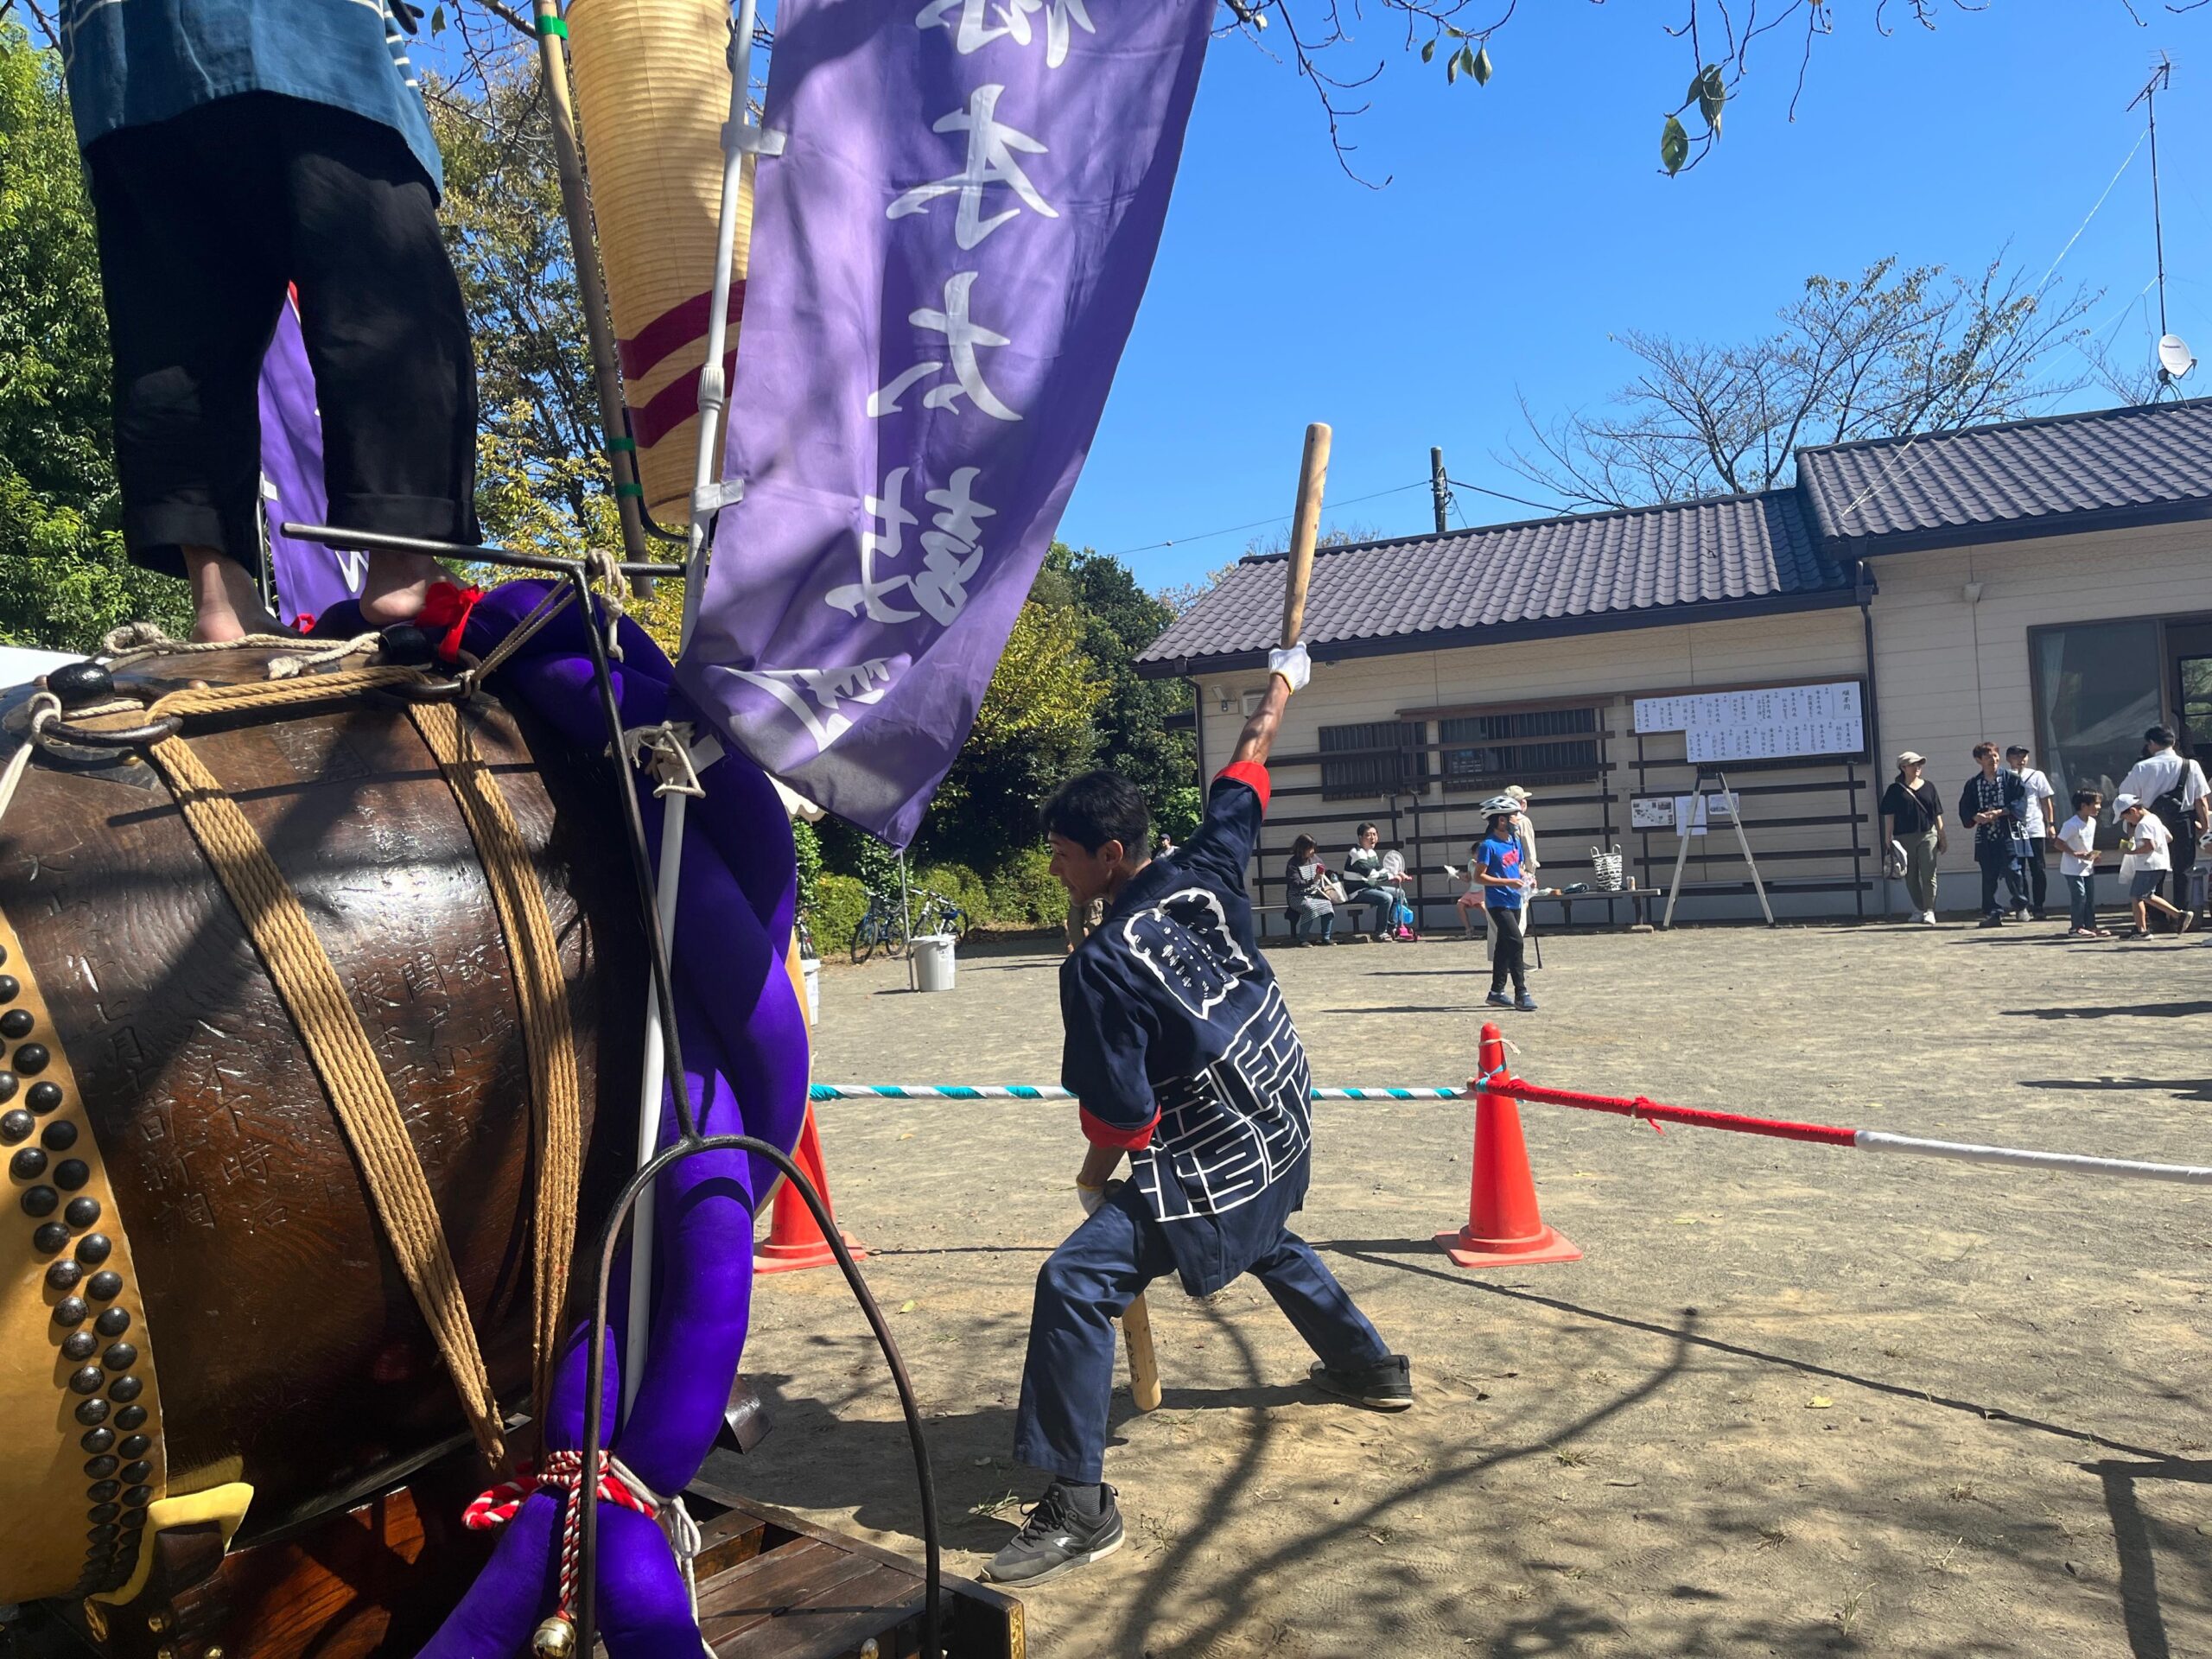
<point x="652" y="91"/>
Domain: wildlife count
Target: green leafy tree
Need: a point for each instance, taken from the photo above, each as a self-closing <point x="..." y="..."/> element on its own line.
<point x="1119" y="620"/>
<point x="1037" y="724"/>
<point x="64" y="581"/>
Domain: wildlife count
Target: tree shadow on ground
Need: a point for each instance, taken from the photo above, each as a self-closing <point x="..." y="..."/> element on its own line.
<point x="1388" y="1253"/>
<point x="2180" y="1088"/>
<point x="2128" y="1011"/>
<point x="817" y="1457"/>
<point x="2135" y="1536"/>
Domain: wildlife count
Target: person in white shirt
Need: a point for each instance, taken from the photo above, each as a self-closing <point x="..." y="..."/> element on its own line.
<point x="2040" y="818"/>
<point x="2147" y="863"/>
<point x="2174" y="790"/>
<point x="2077" y="865"/>
<point x="1524" y="830"/>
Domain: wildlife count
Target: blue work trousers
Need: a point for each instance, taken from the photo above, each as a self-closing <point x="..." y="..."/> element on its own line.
<point x="1067" y="1382"/>
<point x="2000" y="865"/>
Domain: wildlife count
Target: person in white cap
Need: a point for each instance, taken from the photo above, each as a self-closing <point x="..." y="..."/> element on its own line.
<point x="2149" y="858"/>
<point x="2173" y="791"/>
<point x="1912" y="821"/>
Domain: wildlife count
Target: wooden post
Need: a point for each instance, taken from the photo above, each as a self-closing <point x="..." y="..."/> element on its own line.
<point x="1305" y="530"/>
<point x="591" y="289"/>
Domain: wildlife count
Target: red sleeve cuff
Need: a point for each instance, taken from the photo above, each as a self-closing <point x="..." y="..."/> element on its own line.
<point x="1253" y="776"/>
<point x="1100" y="1132"/>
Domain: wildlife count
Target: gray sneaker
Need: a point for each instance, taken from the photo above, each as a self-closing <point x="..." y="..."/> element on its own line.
<point x="1057" y="1537"/>
<point x="1387" y="1385"/>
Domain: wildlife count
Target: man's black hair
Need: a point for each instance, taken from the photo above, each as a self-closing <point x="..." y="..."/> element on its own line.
<point x="2159" y="737"/>
<point x="2084" y="797"/>
<point x="1098" y="807"/>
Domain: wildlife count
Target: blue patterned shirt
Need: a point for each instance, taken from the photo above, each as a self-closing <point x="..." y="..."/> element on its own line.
<point x="132" y="63"/>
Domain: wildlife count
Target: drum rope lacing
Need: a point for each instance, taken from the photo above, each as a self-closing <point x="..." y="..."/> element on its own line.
<point x="308" y="985"/>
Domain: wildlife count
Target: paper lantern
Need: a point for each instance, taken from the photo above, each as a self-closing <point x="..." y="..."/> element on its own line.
<point x="652" y="93"/>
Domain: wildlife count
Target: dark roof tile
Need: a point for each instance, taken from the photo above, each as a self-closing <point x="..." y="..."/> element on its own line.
<point x="2013" y="475"/>
<point x="1679" y="555"/>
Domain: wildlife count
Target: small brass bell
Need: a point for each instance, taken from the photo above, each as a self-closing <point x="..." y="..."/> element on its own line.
<point x="554" y="1639"/>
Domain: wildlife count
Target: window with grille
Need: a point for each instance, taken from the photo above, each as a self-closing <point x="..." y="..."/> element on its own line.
<point x="1376" y="760"/>
<point x="1485" y="752"/>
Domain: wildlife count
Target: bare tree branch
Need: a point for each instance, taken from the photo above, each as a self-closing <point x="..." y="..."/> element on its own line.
<point x="1887" y="353"/>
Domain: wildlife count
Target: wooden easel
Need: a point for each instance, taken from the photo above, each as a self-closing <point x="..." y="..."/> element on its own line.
<point x="1682" y="852"/>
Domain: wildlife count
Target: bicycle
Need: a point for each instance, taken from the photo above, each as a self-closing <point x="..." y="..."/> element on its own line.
<point x="804" y="935"/>
<point x="940" y="915"/>
<point x="882" y="925"/>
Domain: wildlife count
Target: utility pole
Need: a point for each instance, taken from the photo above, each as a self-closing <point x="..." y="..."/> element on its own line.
<point x="1438" y="489"/>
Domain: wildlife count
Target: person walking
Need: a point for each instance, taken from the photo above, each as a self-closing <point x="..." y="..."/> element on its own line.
<point x="2077" y="865"/>
<point x="2173" y="788"/>
<point x="2148" y="861"/>
<point x="2037" y="825"/>
<point x="1498" y="870"/>
<point x="1912" y="820"/>
<point x="1306" y="905"/>
<point x="1994" y="802"/>
<point x="1181" y="1052"/>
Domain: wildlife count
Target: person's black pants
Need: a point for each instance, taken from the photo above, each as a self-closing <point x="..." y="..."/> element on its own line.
<point x="2038" y="872"/>
<point x="204" y="221"/>
<point x="1508" y="950"/>
<point x="1999" y="864"/>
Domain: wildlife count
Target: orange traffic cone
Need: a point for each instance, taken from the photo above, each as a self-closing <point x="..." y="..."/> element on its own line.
<point x="1504" y="1228"/>
<point x="794" y="1241"/>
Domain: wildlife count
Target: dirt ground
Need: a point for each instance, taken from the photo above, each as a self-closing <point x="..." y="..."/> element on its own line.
<point x="1794" y="1400"/>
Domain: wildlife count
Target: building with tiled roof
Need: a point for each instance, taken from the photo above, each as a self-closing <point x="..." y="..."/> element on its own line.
<point x="2045" y="582"/>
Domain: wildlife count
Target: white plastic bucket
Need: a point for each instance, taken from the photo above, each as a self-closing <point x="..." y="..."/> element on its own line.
<point x="811" y="969"/>
<point x="933" y="961"/>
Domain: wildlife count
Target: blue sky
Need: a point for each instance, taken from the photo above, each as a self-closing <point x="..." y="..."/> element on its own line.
<point x="1526" y="220"/>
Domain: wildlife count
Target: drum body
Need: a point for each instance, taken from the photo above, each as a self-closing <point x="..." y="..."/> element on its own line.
<point x="196" y="1292"/>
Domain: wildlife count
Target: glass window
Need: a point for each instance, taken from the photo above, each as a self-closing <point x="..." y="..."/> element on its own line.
<point x="2195" y="674"/>
<point x="1541" y="745"/>
<point x="1378" y="758"/>
<point x="2096" y="692"/>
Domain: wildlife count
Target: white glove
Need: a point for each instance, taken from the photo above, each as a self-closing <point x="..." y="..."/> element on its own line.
<point x="1091" y="1198"/>
<point x="1292" y="662"/>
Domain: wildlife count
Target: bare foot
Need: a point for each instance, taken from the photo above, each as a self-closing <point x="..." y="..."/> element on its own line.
<point x="397" y="585"/>
<point x="226" y="604"/>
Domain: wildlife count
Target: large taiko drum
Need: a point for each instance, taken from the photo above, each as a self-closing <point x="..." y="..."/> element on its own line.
<point x="199" y="1311"/>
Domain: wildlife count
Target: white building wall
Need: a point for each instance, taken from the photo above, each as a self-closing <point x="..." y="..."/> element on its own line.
<point x="1953" y="670"/>
<point x="1947" y="673"/>
<point x="1610" y="668"/>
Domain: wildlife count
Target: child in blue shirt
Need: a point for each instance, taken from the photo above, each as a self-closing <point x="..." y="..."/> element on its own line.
<point x="1497" y="870"/>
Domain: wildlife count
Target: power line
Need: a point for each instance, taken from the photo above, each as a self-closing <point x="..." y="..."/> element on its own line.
<point x="1517" y="500"/>
<point x="1182" y="541"/>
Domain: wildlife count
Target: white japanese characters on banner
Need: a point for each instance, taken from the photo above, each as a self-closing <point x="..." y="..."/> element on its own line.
<point x="948" y="253"/>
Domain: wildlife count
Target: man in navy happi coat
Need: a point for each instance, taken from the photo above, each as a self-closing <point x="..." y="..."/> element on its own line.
<point x="1183" y="1056"/>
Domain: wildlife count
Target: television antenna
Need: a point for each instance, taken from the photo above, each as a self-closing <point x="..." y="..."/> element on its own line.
<point x="2174" y="359"/>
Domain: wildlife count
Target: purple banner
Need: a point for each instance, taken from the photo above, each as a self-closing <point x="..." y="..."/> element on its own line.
<point x="946" y="260"/>
<point x="310" y="578"/>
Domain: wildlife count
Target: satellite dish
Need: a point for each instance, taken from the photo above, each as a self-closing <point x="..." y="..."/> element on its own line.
<point x="2174" y="360"/>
